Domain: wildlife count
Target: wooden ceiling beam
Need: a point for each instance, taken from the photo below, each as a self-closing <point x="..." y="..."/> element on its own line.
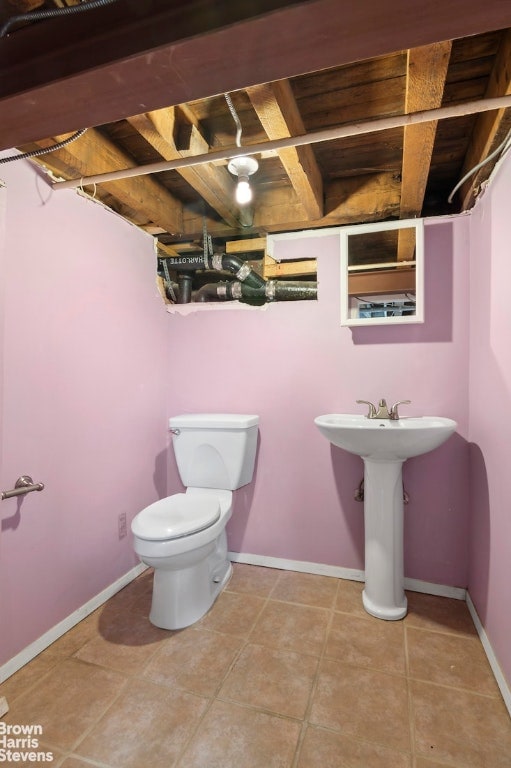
<point x="370" y="197"/>
<point x="117" y="61"/>
<point x="164" y="130"/>
<point x="486" y="134"/>
<point x="92" y="152"/>
<point x="373" y="197"/>
<point x="425" y="82"/>
<point x="279" y="115"/>
<point x="24" y="6"/>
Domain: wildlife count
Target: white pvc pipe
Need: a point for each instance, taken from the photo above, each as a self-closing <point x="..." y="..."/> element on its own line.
<point x="329" y="134"/>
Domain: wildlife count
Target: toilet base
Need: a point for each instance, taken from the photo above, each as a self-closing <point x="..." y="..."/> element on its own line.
<point x="181" y="596"/>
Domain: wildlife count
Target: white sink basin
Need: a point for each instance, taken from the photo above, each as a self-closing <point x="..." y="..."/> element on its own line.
<point x="384" y="445"/>
<point x="385" y="439"/>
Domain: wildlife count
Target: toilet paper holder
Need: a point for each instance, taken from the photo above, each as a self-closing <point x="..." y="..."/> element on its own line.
<point x="23" y="485"/>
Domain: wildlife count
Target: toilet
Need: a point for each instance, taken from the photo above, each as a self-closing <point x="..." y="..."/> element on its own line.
<point x="183" y="536"/>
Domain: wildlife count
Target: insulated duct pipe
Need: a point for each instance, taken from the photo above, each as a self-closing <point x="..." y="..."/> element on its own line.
<point x="273" y="290"/>
<point x="218" y="262"/>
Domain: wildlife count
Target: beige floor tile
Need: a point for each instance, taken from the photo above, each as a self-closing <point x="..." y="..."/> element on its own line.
<point x="362" y="704"/>
<point x="140" y="588"/>
<point x="42" y="754"/>
<point x="67" y="701"/>
<point x="149" y="726"/>
<point x="26" y="677"/>
<point x="143" y="593"/>
<point x="257" y="651"/>
<point x="324" y="749"/>
<point x="232" y="736"/>
<point x="252" y="580"/>
<point x="280" y="681"/>
<point x="124" y="658"/>
<point x="368" y="642"/>
<point x="125" y="645"/>
<point x="460" y="727"/>
<point x="194" y="660"/>
<point x="349" y="597"/>
<point x="306" y="588"/>
<point x="290" y="627"/>
<point x="443" y="614"/>
<point x="74" y="639"/>
<point x="453" y="660"/>
<point x="233" y="614"/>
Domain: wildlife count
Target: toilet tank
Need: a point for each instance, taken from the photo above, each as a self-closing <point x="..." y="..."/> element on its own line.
<point x="215" y="450"/>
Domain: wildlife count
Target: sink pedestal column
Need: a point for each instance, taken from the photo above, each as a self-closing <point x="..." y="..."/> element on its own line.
<point x="384" y="595"/>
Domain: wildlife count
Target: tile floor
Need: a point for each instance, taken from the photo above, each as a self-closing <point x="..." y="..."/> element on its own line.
<point x="285" y="671"/>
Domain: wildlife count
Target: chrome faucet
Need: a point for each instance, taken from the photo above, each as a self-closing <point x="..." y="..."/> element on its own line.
<point x="382" y="412"/>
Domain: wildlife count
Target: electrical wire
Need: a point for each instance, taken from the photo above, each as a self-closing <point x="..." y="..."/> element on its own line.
<point x="503" y="147"/>
<point x="51" y="13"/>
<point x="236" y="119"/>
<point x="40" y="16"/>
<point x="44" y="150"/>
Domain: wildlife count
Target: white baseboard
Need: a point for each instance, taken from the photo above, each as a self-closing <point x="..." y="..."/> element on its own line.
<point x="301" y="566"/>
<point x="49" y="637"/>
<point x="494" y="664"/>
<point x="414" y="585"/>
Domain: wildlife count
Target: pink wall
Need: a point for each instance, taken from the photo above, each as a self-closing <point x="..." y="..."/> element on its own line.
<point x="291" y="362"/>
<point x="490" y="414"/>
<point x="92" y="365"/>
<point x="83" y="404"/>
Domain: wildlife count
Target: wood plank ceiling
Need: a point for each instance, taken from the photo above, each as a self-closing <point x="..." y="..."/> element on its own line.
<point x="397" y="172"/>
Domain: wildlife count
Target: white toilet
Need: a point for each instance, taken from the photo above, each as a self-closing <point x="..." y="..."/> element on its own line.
<point x="183" y="536"/>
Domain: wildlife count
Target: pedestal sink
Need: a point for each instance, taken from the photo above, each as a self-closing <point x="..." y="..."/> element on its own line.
<point x="384" y="445"/>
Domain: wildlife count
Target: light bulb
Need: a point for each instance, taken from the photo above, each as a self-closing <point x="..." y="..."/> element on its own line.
<point x="243" y="167"/>
<point x="243" y="191"/>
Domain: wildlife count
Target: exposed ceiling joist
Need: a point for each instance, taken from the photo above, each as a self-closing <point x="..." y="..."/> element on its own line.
<point x="425" y="79"/>
<point x="163" y="130"/>
<point x="360" y="141"/>
<point x="142" y="195"/>
<point x="119" y="61"/>
<point x="276" y="108"/>
<point x="426" y="70"/>
<point x="315" y="137"/>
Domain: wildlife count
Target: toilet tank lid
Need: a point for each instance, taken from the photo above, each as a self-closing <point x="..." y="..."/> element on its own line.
<point x="213" y="421"/>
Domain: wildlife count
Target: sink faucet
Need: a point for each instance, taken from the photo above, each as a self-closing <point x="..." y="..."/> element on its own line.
<point x="382" y="412"/>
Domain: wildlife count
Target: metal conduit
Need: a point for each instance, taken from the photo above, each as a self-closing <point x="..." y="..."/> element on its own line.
<point x="329" y="134"/>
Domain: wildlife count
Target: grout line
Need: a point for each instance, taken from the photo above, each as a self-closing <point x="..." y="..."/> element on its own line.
<point x="214" y="697"/>
<point x="123" y="687"/>
<point x="60" y="629"/>
<point x="308" y="709"/>
<point x="209" y="700"/>
<point x="86" y="760"/>
<point x="411" y="709"/>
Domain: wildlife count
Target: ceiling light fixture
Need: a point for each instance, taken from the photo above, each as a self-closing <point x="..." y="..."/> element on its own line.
<point x="243" y="167"/>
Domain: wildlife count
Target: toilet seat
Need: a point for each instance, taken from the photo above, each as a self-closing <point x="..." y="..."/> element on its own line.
<point x="176" y="516"/>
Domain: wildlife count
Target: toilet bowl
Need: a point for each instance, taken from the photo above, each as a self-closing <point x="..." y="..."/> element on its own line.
<point x="190" y="566"/>
<point x="183" y="536"/>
